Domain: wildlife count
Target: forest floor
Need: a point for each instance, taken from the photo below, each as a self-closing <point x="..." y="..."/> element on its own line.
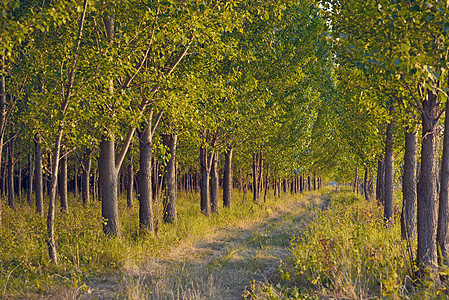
<point x="222" y="265"/>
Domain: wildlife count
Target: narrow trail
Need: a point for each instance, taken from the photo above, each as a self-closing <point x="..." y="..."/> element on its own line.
<point x="219" y="267"/>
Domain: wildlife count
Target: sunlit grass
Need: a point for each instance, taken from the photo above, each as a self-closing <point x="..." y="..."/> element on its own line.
<point x="348" y="252"/>
<point x="85" y="253"/>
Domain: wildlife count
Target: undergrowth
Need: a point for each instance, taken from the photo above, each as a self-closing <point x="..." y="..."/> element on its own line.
<point x="85" y="252"/>
<point x="348" y="252"/>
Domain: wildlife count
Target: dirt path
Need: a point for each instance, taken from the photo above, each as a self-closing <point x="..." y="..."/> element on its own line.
<point x="218" y="268"/>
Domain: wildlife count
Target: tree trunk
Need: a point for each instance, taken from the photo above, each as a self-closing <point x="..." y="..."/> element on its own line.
<point x="11" y="194"/>
<point x="108" y="186"/>
<point x="205" y="169"/>
<point x="379" y="182"/>
<point x="144" y="181"/>
<point x="19" y="182"/>
<point x="214" y="184"/>
<point x="255" y="182"/>
<point x="85" y="177"/>
<point x="63" y="184"/>
<point x="443" y="210"/>
<point x="130" y="183"/>
<point x="76" y="182"/>
<point x="314" y="181"/>
<point x="354" y="190"/>
<point x="388" y="181"/>
<point x="39" y="184"/>
<point x="170" y="140"/>
<point x="427" y="184"/>
<point x="266" y="183"/>
<point x="227" y="179"/>
<point x="408" y="215"/>
<point x="365" y="184"/>
<point x="30" y="180"/>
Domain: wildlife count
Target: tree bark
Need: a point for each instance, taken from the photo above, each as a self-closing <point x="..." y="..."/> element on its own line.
<point x="85" y="177"/>
<point x="427" y="184"/>
<point x="227" y="179"/>
<point x="144" y="180"/>
<point x="266" y="183"/>
<point x="30" y="180"/>
<point x="108" y="186"/>
<point x="205" y="170"/>
<point x="365" y="184"/>
<point x="379" y="182"/>
<point x="130" y="183"/>
<point x="63" y="184"/>
<point x="11" y="194"/>
<point x="443" y="210"/>
<point x="170" y="140"/>
<point x="408" y="215"/>
<point x="39" y="184"/>
<point x="388" y="181"/>
<point x="214" y="184"/>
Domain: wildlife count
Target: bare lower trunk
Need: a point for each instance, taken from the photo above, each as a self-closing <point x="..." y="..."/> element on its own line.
<point x="379" y="182"/>
<point x="255" y="182"/>
<point x="365" y="184"/>
<point x="30" y="180"/>
<point x="204" y="181"/>
<point x="170" y="176"/>
<point x="408" y="215"/>
<point x="266" y="183"/>
<point x="443" y="210"/>
<point x="388" y="181"/>
<point x="11" y="194"/>
<point x="214" y="184"/>
<point x="63" y="184"/>
<point x="85" y="178"/>
<point x="108" y="186"/>
<point x="427" y="184"/>
<point x="354" y="189"/>
<point x="130" y="183"/>
<point x="39" y="185"/>
<point x="227" y="179"/>
<point x="144" y="181"/>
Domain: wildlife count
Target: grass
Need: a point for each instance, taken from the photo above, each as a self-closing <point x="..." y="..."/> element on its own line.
<point x="348" y="252"/>
<point x="86" y="255"/>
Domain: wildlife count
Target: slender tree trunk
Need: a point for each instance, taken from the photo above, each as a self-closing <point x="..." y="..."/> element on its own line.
<point x="30" y="180"/>
<point x="39" y="184"/>
<point x="144" y="180"/>
<point x="170" y="175"/>
<point x="205" y="169"/>
<point x="314" y="181"/>
<point x="388" y="208"/>
<point x="443" y="210"/>
<point x="308" y="183"/>
<point x="365" y="184"/>
<point x="129" y="189"/>
<point x="408" y="215"/>
<point x="76" y="182"/>
<point x="11" y="194"/>
<point x="19" y="182"/>
<point x="379" y="182"/>
<point x="255" y="182"/>
<point x="2" y="113"/>
<point x="63" y="184"/>
<point x="85" y="177"/>
<point x="214" y="184"/>
<point x="266" y="183"/>
<point x="108" y="186"/>
<point x="227" y="179"/>
<point x="260" y="177"/>
<point x="354" y="190"/>
<point x="427" y="184"/>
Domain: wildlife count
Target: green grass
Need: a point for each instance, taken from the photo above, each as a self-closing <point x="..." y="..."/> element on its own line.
<point x="85" y="253"/>
<point x="348" y="252"/>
